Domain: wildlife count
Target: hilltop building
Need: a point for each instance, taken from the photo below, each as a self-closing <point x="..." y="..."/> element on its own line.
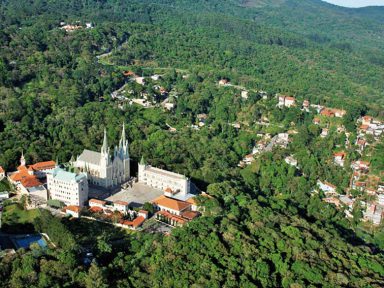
<point x="67" y="187"/>
<point x="101" y="169"/>
<point x="172" y="183"/>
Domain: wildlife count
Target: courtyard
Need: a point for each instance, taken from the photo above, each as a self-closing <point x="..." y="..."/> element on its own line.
<point x="136" y="195"/>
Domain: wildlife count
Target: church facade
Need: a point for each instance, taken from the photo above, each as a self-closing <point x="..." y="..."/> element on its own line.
<point x="102" y="169"/>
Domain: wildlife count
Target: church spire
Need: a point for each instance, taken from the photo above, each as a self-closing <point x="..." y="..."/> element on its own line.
<point x="22" y="159"/>
<point x="104" y="148"/>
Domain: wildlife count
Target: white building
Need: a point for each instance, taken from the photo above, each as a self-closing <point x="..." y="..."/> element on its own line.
<point x="326" y="187"/>
<point x="67" y="187"/>
<point x="2" y="173"/>
<point x="101" y="169"/>
<point x="162" y="179"/>
<point x="286" y="101"/>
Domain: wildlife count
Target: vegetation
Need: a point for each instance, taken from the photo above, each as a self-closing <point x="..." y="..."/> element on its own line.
<point x="263" y="226"/>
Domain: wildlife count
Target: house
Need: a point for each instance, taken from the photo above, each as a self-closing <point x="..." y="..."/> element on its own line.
<point x="374" y="214"/>
<point x="244" y="94"/>
<point x="326" y="187"/>
<point x="155" y="77"/>
<point x="202" y="118"/>
<point x="306" y="105"/>
<point x="339" y="158"/>
<point x="173" y="206"/>
<point x="324" y="133"/>
<point x="286" y="101"/>
<point x="4" y="195"/>
<point x="72" y="210"/>
<point x="143" y="213"/>
<point x="248" y="159"/>
<point x="371" y="191"/>
<point x="121" y="206"/>
<point x="380" y="199"/>
<point x="362" y="144"/>
<point x="345" y="200"/>
<point x="97" y="203"/>
<point x="140" y="80"/>
<point x="360" y="165"/>
<point x="291" y="161"/>
<point x="135" y="223"/>
<point x="223" y="82"/>
<point x="332" y="112"/>
<point x="316" y="120"/>
<point x="359" y="185"/>
<point x="71" y="28"/>
<point x="171" y="219"/>
<point x="366" y="120"/>
<point x="2" y="173"/>
<point x="332" y="200"/>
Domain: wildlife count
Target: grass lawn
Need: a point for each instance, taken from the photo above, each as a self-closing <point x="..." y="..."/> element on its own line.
<point x="17" y="220"/>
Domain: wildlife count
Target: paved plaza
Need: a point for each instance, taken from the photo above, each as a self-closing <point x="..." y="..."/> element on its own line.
<point x="136" y="195"/>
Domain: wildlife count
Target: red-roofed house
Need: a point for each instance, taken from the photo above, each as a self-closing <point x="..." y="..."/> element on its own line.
<point x="72" y="210"/>
<point x="339" y="158"/>
<point x="286" y="101"/>
<point x="97" y="203"/>
<point x="121" y="206"/>
<point x="2" y="173"/>
<point x="137" y="222"/>
<point x="170" y="205"/>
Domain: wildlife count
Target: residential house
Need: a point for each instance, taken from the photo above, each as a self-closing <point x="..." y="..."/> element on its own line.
<point x="291" y="161"/>
<point x="374" y="214"/>
<point x="339" y="158"/>
<point x="173" y="206"/>
<point x="326" y="186"/>
<point x="244" y="94"/>
<point x="223" y="81"/>
<point x="2" y="173"/>
<point x="72" y="210"/>
<point x="324" y="133"/>
<point x="348" y="202"/>
<point x="286" y="101"/>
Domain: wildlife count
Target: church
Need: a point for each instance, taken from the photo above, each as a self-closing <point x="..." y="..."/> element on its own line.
<point x="102" y="169"/>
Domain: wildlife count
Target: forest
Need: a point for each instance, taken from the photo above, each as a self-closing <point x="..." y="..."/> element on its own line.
<point x="263" y="227"/>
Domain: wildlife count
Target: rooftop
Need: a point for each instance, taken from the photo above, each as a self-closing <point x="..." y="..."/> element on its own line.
<point x="90" y="157"/>
<point x="165" y="173"/>
<point x="66" y="176"/>
<point x="170" y="203"/>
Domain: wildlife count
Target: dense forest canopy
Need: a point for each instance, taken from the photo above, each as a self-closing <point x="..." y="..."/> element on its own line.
<point x="263" y="227"/>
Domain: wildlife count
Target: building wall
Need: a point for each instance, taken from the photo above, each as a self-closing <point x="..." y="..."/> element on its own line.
<point x="70" y="192"/>
<point x="153" y="178"/>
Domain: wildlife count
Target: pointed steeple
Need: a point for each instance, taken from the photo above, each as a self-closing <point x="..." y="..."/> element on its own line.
<point x="104" y="148"/>
<point x="123" y="144"/>
<point x="22" y="159"/>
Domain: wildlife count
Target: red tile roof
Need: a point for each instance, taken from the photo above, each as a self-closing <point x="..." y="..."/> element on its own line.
<point x="96" y="201"/>
<point x="2" y="170"/>
<point x="73" y="208"/>
<point x="340" y="154"/>
<point x="190" y="215"/>
<point x="170" y="203"/>
<point x="123" y="203"/>
<point x="95" y="209"/>
<point x="43" y="165"/>
<point x="136" y="222"/>
<point x="30" y="181"/>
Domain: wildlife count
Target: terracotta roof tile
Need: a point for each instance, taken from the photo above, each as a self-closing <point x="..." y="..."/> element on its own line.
<point x="171" y="203"/>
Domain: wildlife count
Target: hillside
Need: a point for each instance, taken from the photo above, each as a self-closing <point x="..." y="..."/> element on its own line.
<point x="219" y="66"/>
